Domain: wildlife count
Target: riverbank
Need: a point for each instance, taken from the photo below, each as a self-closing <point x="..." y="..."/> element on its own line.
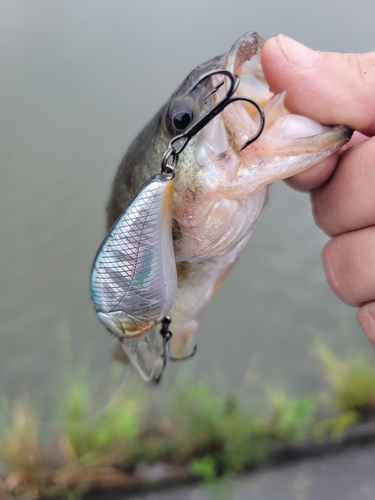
<point x="345" y="475"/>
<point x="140" y="441"/>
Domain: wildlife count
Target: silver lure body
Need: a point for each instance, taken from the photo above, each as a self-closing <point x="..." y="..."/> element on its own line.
<point x="134" y="279"/>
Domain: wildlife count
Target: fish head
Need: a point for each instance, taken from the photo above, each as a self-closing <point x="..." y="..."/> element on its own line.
<point x="221" y="187"/>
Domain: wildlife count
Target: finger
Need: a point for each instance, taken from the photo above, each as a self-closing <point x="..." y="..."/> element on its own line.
<point x="329" y="87"/>
<point x="320" y="173"/>
<point x="349" y="265"/>
<point x="347" y="201"/>
<point x="356" y="138"/>
<point x="366" y="318"/>
<point x="315" y="176"/>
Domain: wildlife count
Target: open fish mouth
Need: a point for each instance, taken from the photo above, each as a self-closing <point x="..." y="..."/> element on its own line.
<point x="285" y="134"/>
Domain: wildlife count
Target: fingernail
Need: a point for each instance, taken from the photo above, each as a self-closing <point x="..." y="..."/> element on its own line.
<point x="298" y="54"/>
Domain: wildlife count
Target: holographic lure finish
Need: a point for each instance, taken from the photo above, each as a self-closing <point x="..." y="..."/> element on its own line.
<point x="133" y="279"/>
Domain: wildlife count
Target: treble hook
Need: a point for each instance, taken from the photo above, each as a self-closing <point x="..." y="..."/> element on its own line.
<point x="167" y="335"/>
<point x="172" y="153"/>
<point x="194" y="128"/>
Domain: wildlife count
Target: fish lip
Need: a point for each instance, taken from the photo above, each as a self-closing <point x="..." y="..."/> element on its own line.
<point x="334" y="137"/>
<point x="347" y="132"/>
<point x="343" y="130"/>
<point x="246" y="47"/>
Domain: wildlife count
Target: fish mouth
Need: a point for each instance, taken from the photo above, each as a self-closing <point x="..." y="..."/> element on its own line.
<point x="243" y="59"/>
<point x="285" y="134"/>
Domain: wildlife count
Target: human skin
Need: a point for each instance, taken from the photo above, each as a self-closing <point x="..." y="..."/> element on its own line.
<point x="334" y="88"/>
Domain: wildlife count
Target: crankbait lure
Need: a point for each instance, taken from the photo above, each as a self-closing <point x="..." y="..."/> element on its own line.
<point x="134" y="279"/>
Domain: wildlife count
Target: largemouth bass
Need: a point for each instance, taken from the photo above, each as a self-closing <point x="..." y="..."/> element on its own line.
<point x="220" y="190"/>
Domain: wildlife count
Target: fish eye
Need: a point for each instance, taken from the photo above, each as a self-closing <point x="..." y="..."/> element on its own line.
<point x="180" y="116"/>
<point x="182" y="120"/>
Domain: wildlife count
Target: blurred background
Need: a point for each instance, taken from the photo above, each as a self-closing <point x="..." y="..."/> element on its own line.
<point x="78" y="81"/>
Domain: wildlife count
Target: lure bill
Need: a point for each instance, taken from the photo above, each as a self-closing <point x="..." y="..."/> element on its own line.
<point x="133" y="279"/>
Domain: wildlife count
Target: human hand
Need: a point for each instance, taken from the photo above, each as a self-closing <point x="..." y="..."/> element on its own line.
<point x="333" y="89"/>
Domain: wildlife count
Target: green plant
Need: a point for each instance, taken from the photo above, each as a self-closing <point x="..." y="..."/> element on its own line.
<point x="92" y="432"/>
<point x="20" y="449"/>
<point x="222" y="431"/>
<point x="195" y="428"/>
<point x="351" y="379"/>
<point x="205" y="468"/>
<point x="291" y="415"/>
<point x="334" y="427"/>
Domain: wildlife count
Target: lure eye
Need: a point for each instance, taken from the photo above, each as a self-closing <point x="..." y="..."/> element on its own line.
<point x="182" y="120"/>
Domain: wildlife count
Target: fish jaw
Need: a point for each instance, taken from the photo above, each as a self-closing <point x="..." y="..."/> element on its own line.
<point x="289" y="143"/>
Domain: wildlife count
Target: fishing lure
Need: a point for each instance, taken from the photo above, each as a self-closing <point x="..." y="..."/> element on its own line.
<point x="134" y="278"/>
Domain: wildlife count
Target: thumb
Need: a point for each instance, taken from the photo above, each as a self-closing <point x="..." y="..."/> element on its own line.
<point x="329" y="87"/>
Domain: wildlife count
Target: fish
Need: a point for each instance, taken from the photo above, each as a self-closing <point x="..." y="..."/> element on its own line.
<point x="220" y="189"/>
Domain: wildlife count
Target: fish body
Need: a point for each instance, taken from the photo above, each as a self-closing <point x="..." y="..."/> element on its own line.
<point x="219" y="190"/>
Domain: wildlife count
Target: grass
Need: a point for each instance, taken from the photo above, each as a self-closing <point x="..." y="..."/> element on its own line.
<point x="351" y="379"/>
<point x="199" y="433"/>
